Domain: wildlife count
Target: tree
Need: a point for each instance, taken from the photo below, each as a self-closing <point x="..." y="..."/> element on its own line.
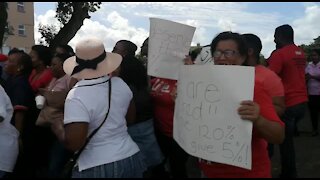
<point x="71" y="16"/>
<point x="308" y="48"/>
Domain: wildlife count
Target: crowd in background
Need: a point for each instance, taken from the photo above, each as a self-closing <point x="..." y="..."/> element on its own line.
<point x="82" y="88"/>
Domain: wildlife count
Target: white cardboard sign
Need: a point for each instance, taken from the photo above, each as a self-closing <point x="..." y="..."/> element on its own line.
<point x="206" y="122"/>
<point x="204" y="57"/>
<point x="169" y="42"/>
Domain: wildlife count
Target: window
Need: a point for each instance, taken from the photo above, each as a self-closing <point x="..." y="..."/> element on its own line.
<point x="21" y="30"/>
<point x="20" y="6"/>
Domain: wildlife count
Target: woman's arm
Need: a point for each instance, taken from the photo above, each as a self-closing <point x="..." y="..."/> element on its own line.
<point x="75" y="135"/>
<point x="279" y="104"/>
<point x="272" y="131"/>
<point x="131" y="113"/>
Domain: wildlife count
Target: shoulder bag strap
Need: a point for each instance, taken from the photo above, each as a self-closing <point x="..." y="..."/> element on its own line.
<point x="77" y="154"/>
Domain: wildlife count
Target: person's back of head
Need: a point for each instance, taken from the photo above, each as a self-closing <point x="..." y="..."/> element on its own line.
<point x="285" y="34"/>
<point x="14" y="50"/>
<point x="129" y="47"/>
<point x="25" y="62"/>
<point x="253" y="42"/>
<point x="144" y="47"/>
<point x="133" y="72"/>
<point x="44" y="53"/>
<point x="64" y="48"/>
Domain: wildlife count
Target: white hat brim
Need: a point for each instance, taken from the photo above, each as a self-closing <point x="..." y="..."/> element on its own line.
<point x="108" y="65"/>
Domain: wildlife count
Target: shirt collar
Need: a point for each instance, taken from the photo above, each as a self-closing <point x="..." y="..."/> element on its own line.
<point x="83" y="82"/>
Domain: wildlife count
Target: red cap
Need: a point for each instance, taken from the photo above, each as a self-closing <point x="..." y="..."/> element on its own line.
<point x="3" y="57"/>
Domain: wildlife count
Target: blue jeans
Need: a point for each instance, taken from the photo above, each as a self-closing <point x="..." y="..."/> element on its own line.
<point x="143" y="134"/>
<point x="287" y="152"/>
<point x="131" y="167"/>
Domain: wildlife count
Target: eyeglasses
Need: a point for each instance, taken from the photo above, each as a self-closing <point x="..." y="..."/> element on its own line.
<point x="226" y="53"/>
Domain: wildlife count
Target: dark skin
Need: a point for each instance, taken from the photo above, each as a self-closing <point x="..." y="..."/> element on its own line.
<point x="13" y="67"/>
<point x="76" y="133"/>
<point x="271" y="131"/>
<point x="278" y="101"/>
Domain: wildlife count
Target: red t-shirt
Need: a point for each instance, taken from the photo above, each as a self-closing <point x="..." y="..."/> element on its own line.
<point x="42" y="81"/>
<point x="163" y="104"/>
<point x="289" y="63"/>
<point x="261" y="165"/>
<point x="270" y="80"/>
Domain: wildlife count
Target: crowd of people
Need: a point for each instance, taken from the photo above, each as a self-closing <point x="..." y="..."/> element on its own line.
<point x="105" y="106"/>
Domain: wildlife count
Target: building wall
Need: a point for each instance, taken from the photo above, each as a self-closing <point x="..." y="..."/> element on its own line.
<point x="16" y="18"/>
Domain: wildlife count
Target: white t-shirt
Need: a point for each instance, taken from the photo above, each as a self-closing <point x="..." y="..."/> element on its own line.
<point x="9" y="135"/>
<point x="90" y="104"/>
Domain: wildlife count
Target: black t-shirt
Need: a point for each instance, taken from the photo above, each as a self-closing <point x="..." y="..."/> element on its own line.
<point x="22" y="97"/>
<point x="143" y="104"/>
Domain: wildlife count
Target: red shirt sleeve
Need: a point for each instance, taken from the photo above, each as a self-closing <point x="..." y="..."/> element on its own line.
<point x="276" y="62"/>
<point x="42" y="82"/>
<point x="265" y="102"/>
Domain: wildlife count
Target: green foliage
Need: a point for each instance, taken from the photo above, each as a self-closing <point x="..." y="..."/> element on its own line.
<point x="48" y="32"/>
<point x="64" y="11"/>
<point x="308" y="48"/>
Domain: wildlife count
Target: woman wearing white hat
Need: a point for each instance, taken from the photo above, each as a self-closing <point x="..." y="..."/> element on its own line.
<point x="110" y="153"/>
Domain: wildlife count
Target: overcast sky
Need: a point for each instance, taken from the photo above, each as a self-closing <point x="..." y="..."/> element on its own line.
<point x="130" y="20"/>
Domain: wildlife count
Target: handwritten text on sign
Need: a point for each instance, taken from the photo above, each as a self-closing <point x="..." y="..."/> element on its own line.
<point x="169" y="42"/>
<point x="204" y="57"/>
<point x="206" y="122"/>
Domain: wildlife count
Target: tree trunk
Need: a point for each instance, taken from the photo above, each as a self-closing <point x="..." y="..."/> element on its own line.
<point x="3" y="21"/>
<point x="70" y="29"/>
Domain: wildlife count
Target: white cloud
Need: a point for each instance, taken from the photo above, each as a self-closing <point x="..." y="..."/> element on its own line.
<point x="129" y="20"/>
<point x="46" y="19"/>
<point x="308" y="27"/>
<point x="119" y="29"/>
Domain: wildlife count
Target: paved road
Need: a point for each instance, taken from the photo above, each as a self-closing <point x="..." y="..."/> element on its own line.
<point x="307" y="154"/>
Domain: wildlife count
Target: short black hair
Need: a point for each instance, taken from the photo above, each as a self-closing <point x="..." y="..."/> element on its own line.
<point x="62" y="56"/>
<point x="316" y="50"/>
<point x="44" y="53"/>
<point x="14" y="50"/>
<point x="133" y="72"/>
<point x="24" y="60"/>
<point x="254" y="42"/>
<point x="286" y="32"/>
<point x="130" y="47"/>
<point x="68" y="49"/>
<point x="228" y="35"/>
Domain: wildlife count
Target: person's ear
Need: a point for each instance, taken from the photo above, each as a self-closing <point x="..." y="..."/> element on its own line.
<point x="20" y="68"/>
<point x="250" y="51"/>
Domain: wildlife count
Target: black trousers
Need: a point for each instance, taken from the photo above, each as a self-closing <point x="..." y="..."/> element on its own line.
<point x="314" y="108"/>
<point x="176" y="156"/>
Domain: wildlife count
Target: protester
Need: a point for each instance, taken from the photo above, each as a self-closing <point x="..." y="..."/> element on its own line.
<point x="111" y="153"/>
<point x="313" y="83"/>
<point x="289" y="63"/>
<point x="51" y="114"/>
<point x="9" y="136"/>
<point x="229" y="48"/>
<point x="271" y="81"/>
<point x="41" y="75"/>
<point x="134" y="73"/>
<point x="18" y="68"/>
<point x="163" y="103"/>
